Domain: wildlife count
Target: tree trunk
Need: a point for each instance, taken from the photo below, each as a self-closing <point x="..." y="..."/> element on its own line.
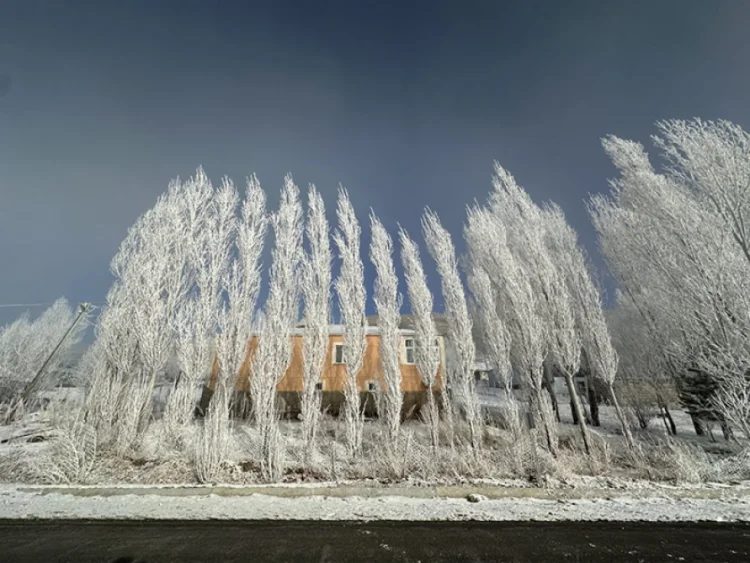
<point x="147" y="407"/>
<point x="433" y="418"/>
<point x="672" y="425"/>
<point x="446" y="402"/>
<point x="541" y="412"/>
<point x="573" y="411"/>
<point x="621" y="417"/>
<point x="642" y="421"/>
<point x="578" y="411"/>
<point x="512" y="411"/>
<point x="593" y="405"/>
<point x="698" y="425"/>
<point x="663" y="418"/>
<point x="726" y="431"/>
<point x="575" y="415"/>
<point x="549" y="381"/>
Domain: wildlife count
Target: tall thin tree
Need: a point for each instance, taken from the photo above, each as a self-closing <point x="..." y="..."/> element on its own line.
<point x="427" y="350"/>
<point x="274" y="352"/>
<point x="350" y="288"/>
<point x="316" y="292"/>
<point x="440" y="246"/>
<point x="388" y="305"/>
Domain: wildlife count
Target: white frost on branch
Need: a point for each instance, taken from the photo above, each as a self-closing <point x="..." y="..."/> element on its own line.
<point x="316" y="294"/>
<point x="427" y="352"/>
<point x="460" y="338"/>
<point x="350" y="288"/>
<point x="591" y="324"/>
<point x="240" y="244"/>
<point x="388" y="305"/>
<point x="677" y="242"/>
<point x="503" y="222"/>
<point x="196" y="319"/>
<point x="25" y="345"/>
<point x="274" y="352"/>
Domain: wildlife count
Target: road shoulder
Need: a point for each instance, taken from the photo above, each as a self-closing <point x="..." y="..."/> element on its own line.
<point x="353" y="502"/>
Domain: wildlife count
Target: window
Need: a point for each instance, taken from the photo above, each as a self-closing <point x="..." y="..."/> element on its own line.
<point x="338" y="353"/>
<point x="409" y="346"/>
<point x="319" y="386"/>
<point x="372" y="386"/>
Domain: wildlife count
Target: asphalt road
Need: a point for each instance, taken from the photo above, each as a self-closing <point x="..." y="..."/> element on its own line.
<point x="333" y="542"/>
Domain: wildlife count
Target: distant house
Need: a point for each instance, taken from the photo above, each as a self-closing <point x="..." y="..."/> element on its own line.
<point x="483" y="372"/>
<point x="331" y="384"/>
<point x="486" y="376"/>
<point x="579" y="380"/>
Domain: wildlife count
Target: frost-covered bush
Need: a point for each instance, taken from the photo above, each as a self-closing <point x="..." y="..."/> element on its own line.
<point x="68" y="452"/>
<point x="212" y="440"/>
<point x="678" y="461"/>
<point x="73" y="454"/>
<point x="26" y="344"/>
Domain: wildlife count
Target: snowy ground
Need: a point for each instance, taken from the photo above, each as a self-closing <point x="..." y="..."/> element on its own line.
<point x="492" y="398"/>
<point x="197" y="504"/>
<point x="609" y="494"/>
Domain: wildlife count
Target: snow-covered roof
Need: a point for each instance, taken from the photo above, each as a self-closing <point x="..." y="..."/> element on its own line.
<point x="407" y="322"/>
<point x="480" y="365"/>
<point x="338" y="330"/>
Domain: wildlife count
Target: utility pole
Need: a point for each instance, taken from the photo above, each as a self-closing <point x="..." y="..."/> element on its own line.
<point x="31" y="386"/>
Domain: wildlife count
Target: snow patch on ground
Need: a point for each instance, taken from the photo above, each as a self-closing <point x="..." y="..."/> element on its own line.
<point x="23" y="502"/>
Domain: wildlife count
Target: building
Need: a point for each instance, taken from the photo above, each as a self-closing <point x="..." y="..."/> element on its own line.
<point x="369" y="380"/>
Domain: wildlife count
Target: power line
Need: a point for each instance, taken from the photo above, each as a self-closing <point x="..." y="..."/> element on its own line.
<point x="10" y="305"/>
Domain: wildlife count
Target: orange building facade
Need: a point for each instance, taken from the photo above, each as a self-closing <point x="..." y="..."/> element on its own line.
<point x="369" y="380"/>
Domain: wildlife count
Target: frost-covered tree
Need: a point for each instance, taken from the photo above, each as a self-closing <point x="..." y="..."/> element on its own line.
<point x="529" y="240"/>
<point x="440" y="246"/>
<point x="136" y="330"/>
<point x="316" y="292"/>
<point x="711" y="161"/>
<point x="585" y="301"/>
<point x="388" y="305"/>
<point x="557" y="309"/>
<point x="274" y="352"/>
<point x="643" y="378"/>
<point x="110" y="404"/>
<point x="686" y="277"/>
<point x="520" y="305"/>
<point x="427" y="352"/>
<point x="232" y="337"/>
<point x="350" y="288"/>
<point x="196" y="320"/>
<point x="29" y="354"/>
<point x="240" y="286"/>
<point x="149" y="270"/>
<point x="495" y="335"/>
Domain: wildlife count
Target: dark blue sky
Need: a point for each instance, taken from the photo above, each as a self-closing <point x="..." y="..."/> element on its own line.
<point x="407" y="103"/>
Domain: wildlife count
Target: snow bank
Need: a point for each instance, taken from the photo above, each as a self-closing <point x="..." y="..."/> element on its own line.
<point x="40" y="502"/>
